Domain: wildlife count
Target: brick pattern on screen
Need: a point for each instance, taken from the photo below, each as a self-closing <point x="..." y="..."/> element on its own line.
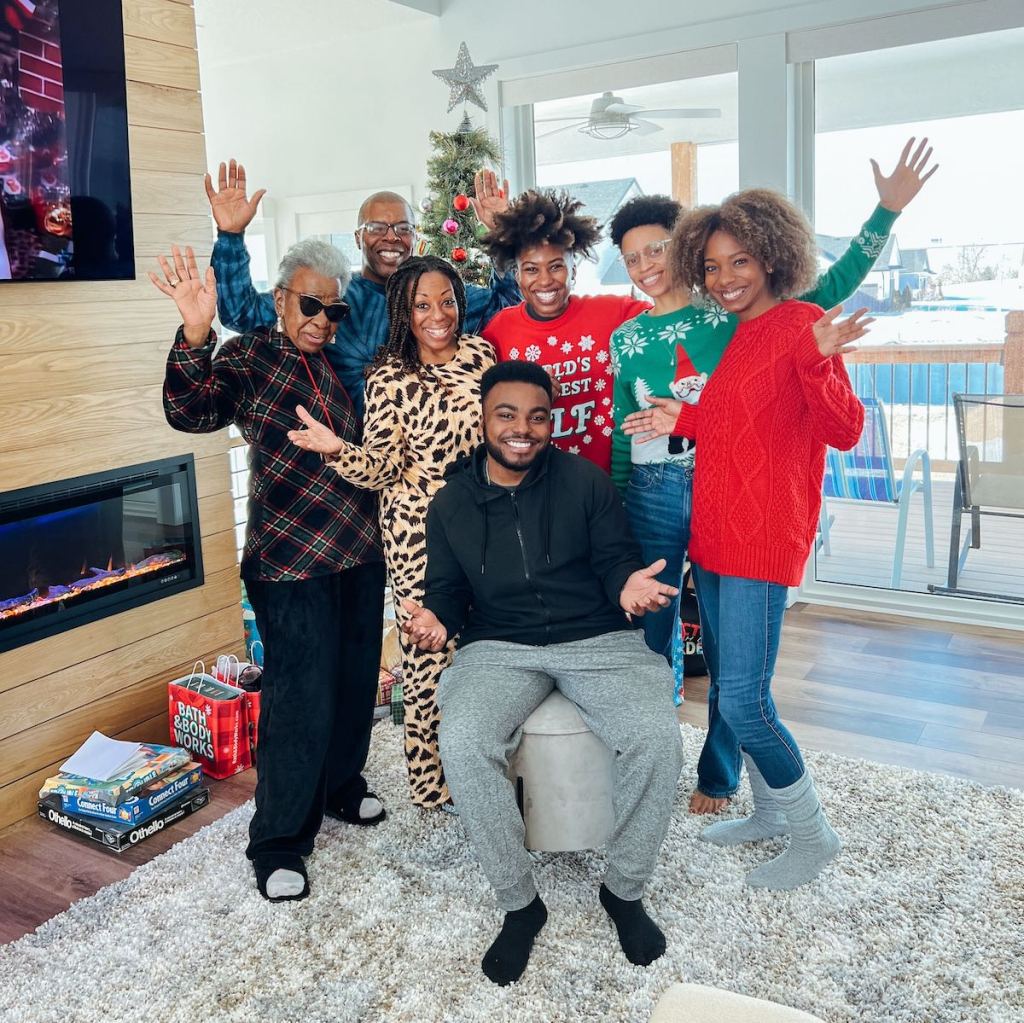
<point x="40" y="78"/>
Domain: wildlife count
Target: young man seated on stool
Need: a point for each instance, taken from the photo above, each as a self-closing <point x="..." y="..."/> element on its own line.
<point x="530" y="563"/>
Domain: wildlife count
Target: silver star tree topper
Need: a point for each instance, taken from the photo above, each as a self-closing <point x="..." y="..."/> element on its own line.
<point x="464" y="79"/>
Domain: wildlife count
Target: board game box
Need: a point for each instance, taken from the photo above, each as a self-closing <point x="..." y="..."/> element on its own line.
<point x="117" y="835"/>
<point x="160" y="761"/>
<point x="138" y="808"/>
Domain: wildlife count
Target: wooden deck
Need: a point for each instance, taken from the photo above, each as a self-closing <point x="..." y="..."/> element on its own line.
<point x="863" y="537"/>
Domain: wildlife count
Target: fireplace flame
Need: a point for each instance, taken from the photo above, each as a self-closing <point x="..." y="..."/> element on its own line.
<point x="92" y="579"/>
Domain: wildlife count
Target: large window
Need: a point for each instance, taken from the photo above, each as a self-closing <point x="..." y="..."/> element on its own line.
<point x="674" y="138"/>
<point x="940" y="291"/>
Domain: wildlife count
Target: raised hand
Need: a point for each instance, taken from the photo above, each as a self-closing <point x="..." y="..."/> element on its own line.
<point x="837" y="338"/>
<point x="643" y="592"/>
<point x="194" y="295"/>
<point x="651" y="423"/>
<point x="232" y="210"/>
<point x="488" y="197"/>
<point x="896" y="190"/>
<point x="315" y="437"/>
<point x="423" y="627"/>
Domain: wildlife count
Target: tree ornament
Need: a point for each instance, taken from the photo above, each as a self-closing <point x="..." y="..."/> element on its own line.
<point x="450" y="226"/>
<point x="464" y="80"/>
<point x="459" y="254"/>
<point x="460" y="203"/>
<point x="426" y="204"/>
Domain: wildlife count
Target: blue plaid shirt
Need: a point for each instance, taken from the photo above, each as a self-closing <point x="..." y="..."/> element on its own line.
<point x="242" y="308"/>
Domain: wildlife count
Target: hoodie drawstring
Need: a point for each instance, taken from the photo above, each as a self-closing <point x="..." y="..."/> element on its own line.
<point x="483" y="543"/>
<point x="547" y="515"/>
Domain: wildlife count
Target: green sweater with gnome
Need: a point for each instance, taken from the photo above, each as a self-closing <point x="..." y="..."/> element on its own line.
<point x="671" y="356"/>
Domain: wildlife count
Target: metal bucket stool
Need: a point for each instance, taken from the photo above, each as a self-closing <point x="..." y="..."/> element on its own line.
<point x="564" y="778"/>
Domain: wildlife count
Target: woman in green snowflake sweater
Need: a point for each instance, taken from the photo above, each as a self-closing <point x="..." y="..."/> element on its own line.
<point x="661" y="360"/>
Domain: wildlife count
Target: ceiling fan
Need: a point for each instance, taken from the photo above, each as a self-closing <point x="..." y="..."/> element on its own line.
<point x="610" y="118"/>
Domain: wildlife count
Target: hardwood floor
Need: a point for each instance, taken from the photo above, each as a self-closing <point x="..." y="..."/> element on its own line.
<point x="893" y="690"/>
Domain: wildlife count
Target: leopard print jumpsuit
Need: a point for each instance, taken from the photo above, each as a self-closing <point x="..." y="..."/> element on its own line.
<point x="416" y="426"/>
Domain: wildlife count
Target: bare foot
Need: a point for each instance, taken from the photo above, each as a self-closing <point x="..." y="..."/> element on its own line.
<point x="699" y="803"/>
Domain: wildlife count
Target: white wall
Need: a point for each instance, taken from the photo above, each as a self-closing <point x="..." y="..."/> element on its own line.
<point x="322" y="96"/>
<point x="337" y="96"/>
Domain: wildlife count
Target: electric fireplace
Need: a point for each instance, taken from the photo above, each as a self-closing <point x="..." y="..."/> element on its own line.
<point x="80" y="549"/>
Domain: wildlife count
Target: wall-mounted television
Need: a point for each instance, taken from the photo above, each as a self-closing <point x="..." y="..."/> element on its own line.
<point x="65" y="190"/>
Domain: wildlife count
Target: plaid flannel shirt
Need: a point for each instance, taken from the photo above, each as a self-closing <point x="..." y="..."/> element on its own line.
<point x="304" y="519"/>
<point x="241" y="307"/>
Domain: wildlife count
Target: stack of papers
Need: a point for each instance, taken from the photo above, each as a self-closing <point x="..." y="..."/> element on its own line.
<point x="102" y="758"/>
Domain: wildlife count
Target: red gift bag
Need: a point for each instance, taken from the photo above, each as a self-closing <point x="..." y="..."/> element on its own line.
<point x="247" y="676"/>
<point x="211" y="720"/>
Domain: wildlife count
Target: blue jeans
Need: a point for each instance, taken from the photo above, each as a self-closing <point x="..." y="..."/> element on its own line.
<point x="658" y="502"/>
<point x="741" y="622"/>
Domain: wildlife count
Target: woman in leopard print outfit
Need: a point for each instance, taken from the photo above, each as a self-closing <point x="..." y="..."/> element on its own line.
<point x="422" y="412"/>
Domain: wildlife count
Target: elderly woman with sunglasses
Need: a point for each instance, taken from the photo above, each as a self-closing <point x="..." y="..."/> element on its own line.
<point x="422" y="413"/>
<point x="312" y="562"/>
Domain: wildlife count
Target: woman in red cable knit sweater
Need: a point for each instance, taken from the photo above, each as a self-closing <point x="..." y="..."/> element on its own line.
<point x="779" y="395"/>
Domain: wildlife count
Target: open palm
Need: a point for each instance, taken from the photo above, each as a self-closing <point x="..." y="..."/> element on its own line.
<point x="232" y="209"/>
<point x="643" y="592"/>
<point x="194" y="294"/>
<point x="314" y="436"/>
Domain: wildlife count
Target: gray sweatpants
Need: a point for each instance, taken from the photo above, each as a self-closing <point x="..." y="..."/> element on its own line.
<point x="623" y="692"/>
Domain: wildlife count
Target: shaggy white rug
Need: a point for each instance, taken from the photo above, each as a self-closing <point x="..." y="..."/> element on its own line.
<point x="919" y="920"/>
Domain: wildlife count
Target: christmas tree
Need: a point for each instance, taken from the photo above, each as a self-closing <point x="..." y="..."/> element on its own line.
<point x="448" y="224"/>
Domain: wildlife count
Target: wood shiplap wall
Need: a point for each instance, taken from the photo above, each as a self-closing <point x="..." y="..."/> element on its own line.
<point x="81" y="366"/>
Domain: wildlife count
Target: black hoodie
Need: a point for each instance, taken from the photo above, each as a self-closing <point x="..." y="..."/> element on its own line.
<point x="543" y="562"/>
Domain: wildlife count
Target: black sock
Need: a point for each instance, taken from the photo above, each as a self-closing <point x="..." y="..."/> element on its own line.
<point x="506" y="959"/>
<point x="640" y="937"/>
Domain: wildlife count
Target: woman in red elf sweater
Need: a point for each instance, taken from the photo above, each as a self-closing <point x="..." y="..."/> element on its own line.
<point x="779" y="395"/>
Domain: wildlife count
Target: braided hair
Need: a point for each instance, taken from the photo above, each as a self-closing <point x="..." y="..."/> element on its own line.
<point x="538" y="218"/>
<point x="400" y="345"/>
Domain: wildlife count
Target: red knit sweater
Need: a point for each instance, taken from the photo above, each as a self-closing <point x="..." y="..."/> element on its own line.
<point x="763" y="422"/>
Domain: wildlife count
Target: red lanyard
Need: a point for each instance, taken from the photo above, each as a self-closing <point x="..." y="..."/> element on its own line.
<point x="312" y="380"/>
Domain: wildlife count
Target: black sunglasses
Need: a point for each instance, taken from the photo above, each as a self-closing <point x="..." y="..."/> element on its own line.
<point x="311" y="306"/>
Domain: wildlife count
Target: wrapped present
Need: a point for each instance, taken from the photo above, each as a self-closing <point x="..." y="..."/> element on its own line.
<point x="397" y="704"/>
<point x="390" y="650"/>
<point x="385" y="683"/>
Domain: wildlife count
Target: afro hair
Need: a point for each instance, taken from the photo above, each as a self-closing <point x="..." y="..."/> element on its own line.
<point x="538" y="218"/>
<point x="766" y="223"/>
<point x="641" y="212"/>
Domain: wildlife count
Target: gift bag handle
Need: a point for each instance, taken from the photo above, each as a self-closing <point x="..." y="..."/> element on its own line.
<point x="198" y="676"/>
<point x="226" y="659"/>
<point x="252" y="650"/>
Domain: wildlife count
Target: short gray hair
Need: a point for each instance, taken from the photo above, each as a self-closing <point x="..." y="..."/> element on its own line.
<point x="317" y="256"/>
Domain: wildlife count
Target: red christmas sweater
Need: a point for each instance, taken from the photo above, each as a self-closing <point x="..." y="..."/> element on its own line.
<point x="763" y="422"/>
<point x="573" y="347"/>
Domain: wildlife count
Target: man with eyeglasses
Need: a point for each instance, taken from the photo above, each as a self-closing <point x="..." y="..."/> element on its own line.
<point x="386" y="237"/>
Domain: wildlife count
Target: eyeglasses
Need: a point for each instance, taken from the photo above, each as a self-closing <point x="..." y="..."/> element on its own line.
<point x="653" y="251"/>
<point x="310" y="305"/>
<point x="379" y="229"/>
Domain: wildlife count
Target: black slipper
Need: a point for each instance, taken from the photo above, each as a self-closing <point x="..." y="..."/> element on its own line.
<point x="264" y="868"/>
<point x="352" y="816"/>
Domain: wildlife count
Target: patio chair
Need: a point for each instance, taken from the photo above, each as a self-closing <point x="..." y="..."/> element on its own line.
<point x="866" y="473"/>
<point x="989" y="478"/>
